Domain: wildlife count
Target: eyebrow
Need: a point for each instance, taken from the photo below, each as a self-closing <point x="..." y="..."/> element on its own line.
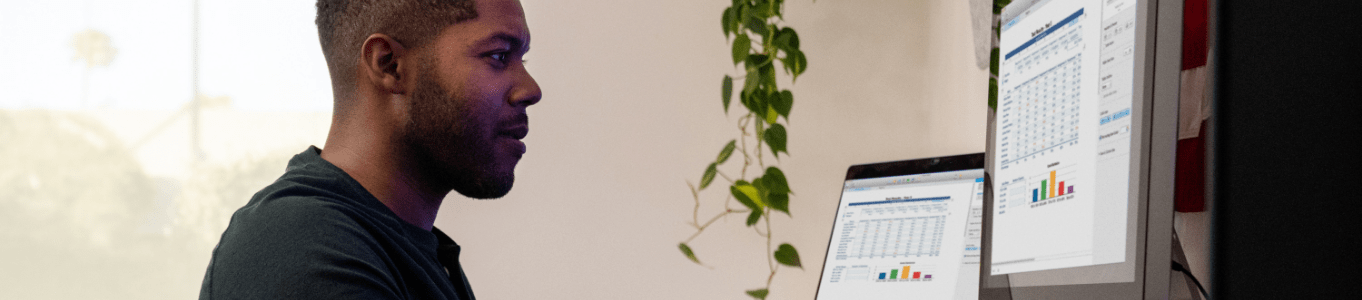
<point x="515" y="42"/>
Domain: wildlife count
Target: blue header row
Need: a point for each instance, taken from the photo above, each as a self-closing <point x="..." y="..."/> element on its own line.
<point x="1047" y="32"/>
<point x="900" y="201"/>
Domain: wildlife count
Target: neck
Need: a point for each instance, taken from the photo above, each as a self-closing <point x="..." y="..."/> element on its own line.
<point x="370" y="156"/>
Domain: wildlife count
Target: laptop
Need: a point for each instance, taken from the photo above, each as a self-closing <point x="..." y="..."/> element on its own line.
<point x="907" y="229"/>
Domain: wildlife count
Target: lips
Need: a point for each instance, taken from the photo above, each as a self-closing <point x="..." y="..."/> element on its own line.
<point x="516" y="132"/>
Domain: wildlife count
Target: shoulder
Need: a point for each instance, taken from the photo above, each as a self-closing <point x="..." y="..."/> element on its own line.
<point x="294" y="246"/>
<point x="317" y="220"/>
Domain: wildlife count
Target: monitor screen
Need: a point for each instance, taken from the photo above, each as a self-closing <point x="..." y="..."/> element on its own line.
<point x="1080" y="150"/>
<point x="1063" y="156"/>
<point x="907" y="229"/>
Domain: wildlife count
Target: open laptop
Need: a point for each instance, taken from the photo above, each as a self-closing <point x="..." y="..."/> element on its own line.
<point x="907" y="229"/>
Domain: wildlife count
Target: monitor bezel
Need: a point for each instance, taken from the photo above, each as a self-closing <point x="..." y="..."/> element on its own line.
<point x="960" y="162"/>
<point x="1158" y="39"/>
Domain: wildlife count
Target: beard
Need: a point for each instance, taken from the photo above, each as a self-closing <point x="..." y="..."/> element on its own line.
<point x="451" y="143"/>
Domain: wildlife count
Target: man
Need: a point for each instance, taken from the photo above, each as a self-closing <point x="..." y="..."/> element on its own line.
<point x="430" y="96"/>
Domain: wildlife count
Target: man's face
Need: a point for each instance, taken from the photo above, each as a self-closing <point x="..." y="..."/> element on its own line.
<point x="467" y="110"/>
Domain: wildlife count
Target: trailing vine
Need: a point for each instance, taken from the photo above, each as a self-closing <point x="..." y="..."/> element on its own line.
<point x="759" y="43"/>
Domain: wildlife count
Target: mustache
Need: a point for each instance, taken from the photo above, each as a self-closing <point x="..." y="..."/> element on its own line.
<point x="518" y="120"/>
<point x="516" y="126"/>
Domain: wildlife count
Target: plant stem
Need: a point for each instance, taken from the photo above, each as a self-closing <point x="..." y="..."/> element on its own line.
<point x="711" y="221"/>
<point x="746" y="159"/>
<point x="770" y="256"/>
<point x="725" y="176"/>
<point x="759" y="160"/>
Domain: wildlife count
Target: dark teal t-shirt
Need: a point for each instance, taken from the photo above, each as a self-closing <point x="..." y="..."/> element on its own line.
<point x="316" y="233"/>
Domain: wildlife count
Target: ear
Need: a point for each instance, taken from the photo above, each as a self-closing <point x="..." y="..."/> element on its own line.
<point x="383" y="63"/>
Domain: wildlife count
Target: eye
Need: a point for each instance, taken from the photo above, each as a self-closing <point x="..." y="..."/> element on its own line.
<point x="502" y="59"/>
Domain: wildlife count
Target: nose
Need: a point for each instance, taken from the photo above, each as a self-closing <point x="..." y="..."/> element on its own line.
<point x="526" y="91"/>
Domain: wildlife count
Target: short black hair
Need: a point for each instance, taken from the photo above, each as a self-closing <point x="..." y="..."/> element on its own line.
<point x="342" y="26"/>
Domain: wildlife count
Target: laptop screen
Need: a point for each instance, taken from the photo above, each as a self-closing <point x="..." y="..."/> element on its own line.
<point x="907" y="229"/>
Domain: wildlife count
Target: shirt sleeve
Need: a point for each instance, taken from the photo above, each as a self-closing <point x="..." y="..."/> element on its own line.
<point x="298" y="248"/>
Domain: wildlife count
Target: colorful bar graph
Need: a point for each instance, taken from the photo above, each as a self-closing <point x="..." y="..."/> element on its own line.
<point x="1043" y="185"/>
<point x="1052" y="184"/>
<point x="905" y="270"/>
<point x="929" y="276"/>
<point x="1071" y="190"/>
<point x="917" y="275"/>
<point x="1034" y="196"/>
<point x="894" y="274"/>
<point x="1061" y="188"/>
<point x="882" y="275"/>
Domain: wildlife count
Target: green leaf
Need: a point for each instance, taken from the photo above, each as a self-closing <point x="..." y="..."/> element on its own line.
<point x="744" y="13"/>
<point x="771" y="114"/>
<point x="741" y="45"/>
<point x="787" y="40"/>
<point x="768" y="75"/>
<point x="756" y="25"/>
<point x="993" y="62"/>
<point x="689" y="254"/>
<point x="746" y="99"/>
<point x="755" y="60"/>
<point x="759" y="294"/>
<point x="795" y="63"/>
<point x="727" y="90"/>
<point x="752" y="193"/>
<point x="753" y="217"/>
<point x="993" y="81"/>
<point x="780" y="202"/>
<point x="757" y="103"/>
<point x="727" y="152"/>
<point x="774" y="181"/>
<point x="761" y="187"/>
<point x="728" y="21"/>
<point x="993" y="93"/>
<point x="763" y="11"/>
<point x="786" y="255"/>
<point x="775" y="139"/>
<point x="787" y="61"/>
<point x="747" y="195"/>
<point x="782" y="102"/>
<point x="750" y="84"/>
<point x="739" y="14"/>
<point x="709" y="176"/>
<point x="999" y="4"/>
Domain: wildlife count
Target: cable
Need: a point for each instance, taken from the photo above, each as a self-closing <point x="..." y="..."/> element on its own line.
<point x="1179" y="267"/>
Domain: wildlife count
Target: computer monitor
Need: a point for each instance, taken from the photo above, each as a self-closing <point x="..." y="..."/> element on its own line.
<point x="1080" y="158"/>
<point x="907" y="229"/>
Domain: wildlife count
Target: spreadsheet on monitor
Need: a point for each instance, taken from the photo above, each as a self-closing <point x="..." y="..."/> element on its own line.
<point x="1063" y="136"/>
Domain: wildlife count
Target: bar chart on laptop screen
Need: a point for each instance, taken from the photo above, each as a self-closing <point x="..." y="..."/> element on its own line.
<point x="896" y="273"/>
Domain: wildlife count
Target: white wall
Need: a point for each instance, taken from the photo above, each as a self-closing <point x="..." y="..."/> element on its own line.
<point x="631" y="111"/>
<point x="100" y="197"/>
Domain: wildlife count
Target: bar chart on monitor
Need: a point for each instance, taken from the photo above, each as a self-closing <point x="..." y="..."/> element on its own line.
<point x="1056" y="184"/>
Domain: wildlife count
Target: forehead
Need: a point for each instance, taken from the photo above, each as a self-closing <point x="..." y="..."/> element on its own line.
<point x="495" y="18"/>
